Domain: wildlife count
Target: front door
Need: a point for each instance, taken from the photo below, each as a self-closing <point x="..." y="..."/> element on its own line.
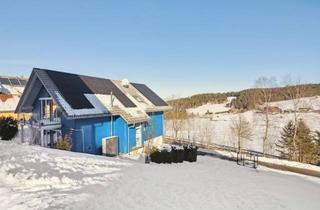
<point x="88" y="140"/>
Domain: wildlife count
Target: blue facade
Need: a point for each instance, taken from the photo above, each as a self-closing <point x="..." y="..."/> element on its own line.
<point x="87" y="133"/>
<point x="154" y="127"/>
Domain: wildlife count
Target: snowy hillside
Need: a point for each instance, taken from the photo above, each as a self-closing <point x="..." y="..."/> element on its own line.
<point x="213" y="108"/>
<point x="216" y="129"/>
<point x="10" y="99"/>
<point x="9" y="104"/>
<point x="312" y="103"/>
<point x="33" y="177"/>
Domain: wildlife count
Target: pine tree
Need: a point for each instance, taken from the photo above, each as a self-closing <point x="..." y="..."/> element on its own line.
<point x="317" y="147"/>
<point x="285" y="144"/>
<point x="305" y="144"/>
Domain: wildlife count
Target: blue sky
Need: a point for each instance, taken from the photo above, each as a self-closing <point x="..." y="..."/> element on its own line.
<point x="177" y="47"/>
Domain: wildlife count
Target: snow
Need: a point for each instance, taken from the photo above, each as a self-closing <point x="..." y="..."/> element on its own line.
<point x="211" y="107"/>
<point x="12" y="89"/>
<point x="34" y="177"/>
<point x="216" y="128"/>
<point x="10" y="104"/>
<point x="275" y="161"/>
<point x="308" y="102"/>
<point x="98" y="107"/>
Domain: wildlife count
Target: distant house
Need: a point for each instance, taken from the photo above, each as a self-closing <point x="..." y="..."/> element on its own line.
<point x="273" y="109"/>
<point x="11" y="89"/>
<point x="90" y="109"/>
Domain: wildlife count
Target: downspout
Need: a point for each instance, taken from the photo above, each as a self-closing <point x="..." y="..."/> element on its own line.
<point x="111" y="104"/>
<point x="111" y="133"/>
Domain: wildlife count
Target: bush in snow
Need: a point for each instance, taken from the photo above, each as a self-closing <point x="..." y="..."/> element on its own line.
<point x="64" y="143"/>
<point x="8" y="128"/>
<point x="190" y="153"/>
<point x="177" y="154"/>
<point x="155" y="155"/>
<point x="174" y="153"/>
<point x="162" y="154"/>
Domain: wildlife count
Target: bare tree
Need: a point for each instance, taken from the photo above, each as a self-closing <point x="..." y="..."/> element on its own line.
<point x="241" y="130"/>
<point x="294" y="92"/>
<point x="177" y="115"/>
<point x="190" y="127"/>
<point x="265" y="89"/>
<point x="149" y="132"/>
<point x="206" y="130"/>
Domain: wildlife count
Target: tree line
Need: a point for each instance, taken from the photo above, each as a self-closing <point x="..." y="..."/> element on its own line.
<point x="246" y="99"/>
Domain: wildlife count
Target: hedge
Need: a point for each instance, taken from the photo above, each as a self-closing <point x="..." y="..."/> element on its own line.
<point x="174" y="154"/>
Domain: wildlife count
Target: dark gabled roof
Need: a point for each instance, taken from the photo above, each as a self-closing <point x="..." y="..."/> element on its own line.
<point x="149" y="94"/>
<point x="77" y="95"/>
<point x="73" y="87"/>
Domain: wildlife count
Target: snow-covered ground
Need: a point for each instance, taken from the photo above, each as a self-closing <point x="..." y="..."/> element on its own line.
<point x="216" y="128"/>
<point x="211" y="107"/>
<point x="32" y="177"/>
<point x="10" y="104"/>
<point x="312" y="103"/>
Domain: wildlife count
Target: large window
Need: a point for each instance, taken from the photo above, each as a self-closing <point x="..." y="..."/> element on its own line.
<point x="49" y="109"/>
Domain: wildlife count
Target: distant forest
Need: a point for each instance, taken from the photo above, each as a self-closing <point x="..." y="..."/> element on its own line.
<point x="246" y="99"/>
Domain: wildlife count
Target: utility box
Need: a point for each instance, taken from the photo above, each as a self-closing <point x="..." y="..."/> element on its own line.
<point x="110" y="146"/>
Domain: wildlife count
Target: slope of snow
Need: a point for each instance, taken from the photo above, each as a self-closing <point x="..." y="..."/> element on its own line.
<point x="37" y="178"/>
<point x="309" y="102"/>
<point x="216" y="129"/>
<point x="276" y="161"/>
<point x="211" y="107"/>
<point x="10" y="104"/>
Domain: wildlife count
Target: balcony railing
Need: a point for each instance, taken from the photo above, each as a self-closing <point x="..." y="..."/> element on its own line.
<point x="52" y="121"/>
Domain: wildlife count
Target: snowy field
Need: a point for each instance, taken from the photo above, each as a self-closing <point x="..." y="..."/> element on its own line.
<point x="216" y="128"/>
<point x="32" y="177"/>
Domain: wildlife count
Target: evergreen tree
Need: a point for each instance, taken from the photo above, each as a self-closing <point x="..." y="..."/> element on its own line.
<point x="317" y="147"/>
<point x="285" y="144"/>
<point x="305" y="144"/>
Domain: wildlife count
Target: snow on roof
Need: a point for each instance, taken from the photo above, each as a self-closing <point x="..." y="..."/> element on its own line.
<point x="98" y="108"/>
<point x="9" y="104"/>
<point x="11" y="89"/>
<point x="85" y="95"/>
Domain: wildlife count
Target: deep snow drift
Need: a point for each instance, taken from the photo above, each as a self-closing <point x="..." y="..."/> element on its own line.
<point x="32" y="177"/>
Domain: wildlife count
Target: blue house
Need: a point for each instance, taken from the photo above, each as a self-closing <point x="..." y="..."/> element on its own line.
<point x="89" y="109"/>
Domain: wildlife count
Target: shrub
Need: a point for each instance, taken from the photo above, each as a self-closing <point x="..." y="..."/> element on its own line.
<point x="155" y="155"/>
<point x="8" y="128"/>
<point x="161" y="155"/>
<point x="64" y="143"/>
<point x="177" y="154"/>
<point x="190" y="153"/>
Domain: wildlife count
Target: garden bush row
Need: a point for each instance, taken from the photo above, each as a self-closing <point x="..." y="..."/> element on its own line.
<point x="174" y="154"/>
